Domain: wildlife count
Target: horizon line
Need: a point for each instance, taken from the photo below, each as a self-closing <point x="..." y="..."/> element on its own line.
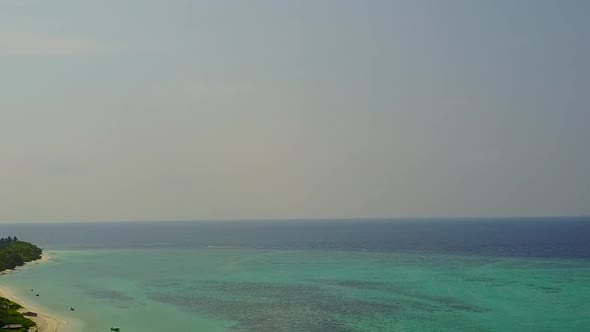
<point x="305" y="219"/>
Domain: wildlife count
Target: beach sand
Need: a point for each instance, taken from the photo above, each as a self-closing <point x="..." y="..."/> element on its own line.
<point x="45" y="257"/>
<point x="45" y="322"/>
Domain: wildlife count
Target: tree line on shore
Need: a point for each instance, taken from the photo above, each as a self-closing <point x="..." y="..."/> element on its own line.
<point x="9" y="314"/>
<point x="14" y="252"/>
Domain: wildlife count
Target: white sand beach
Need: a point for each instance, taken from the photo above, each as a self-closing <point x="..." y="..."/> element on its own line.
<point x="45" y="322"/>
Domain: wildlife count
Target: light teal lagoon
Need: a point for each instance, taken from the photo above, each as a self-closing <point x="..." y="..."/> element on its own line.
<point x="233" y="289"/>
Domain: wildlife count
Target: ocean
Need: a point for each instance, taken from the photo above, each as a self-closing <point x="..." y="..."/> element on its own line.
<point x="528" y="274"/>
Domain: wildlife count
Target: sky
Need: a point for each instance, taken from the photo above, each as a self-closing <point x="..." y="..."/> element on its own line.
<point x="188" y="110"/>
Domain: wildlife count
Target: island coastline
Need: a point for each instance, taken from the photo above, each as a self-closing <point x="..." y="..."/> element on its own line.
<point x="44" y="321"/>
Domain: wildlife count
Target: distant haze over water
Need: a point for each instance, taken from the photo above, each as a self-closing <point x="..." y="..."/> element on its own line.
<point x="178" y="110"/>
<point x="538" y="237"/>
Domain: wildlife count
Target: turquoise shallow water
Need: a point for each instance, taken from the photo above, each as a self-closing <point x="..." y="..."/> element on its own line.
<point x="219" y="289"/>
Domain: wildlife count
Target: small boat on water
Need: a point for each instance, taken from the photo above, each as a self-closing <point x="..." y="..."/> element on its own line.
<point x="36" y="294"/>
<point x="71" y="308"/>
<point x="115" y="329"/>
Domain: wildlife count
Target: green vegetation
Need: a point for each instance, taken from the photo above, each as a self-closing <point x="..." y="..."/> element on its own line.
<point x="14" y="252"/>
<point x="9" y="314"/>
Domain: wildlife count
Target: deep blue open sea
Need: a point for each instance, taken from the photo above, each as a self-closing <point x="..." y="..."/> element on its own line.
<point x="524" y="237"/>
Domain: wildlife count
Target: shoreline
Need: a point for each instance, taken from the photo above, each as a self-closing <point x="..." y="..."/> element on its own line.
<point x="45" y="257"/>
<point x="44" y="321"/>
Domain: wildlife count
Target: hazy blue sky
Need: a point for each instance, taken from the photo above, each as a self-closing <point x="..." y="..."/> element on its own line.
<point x="137" y="109"/>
